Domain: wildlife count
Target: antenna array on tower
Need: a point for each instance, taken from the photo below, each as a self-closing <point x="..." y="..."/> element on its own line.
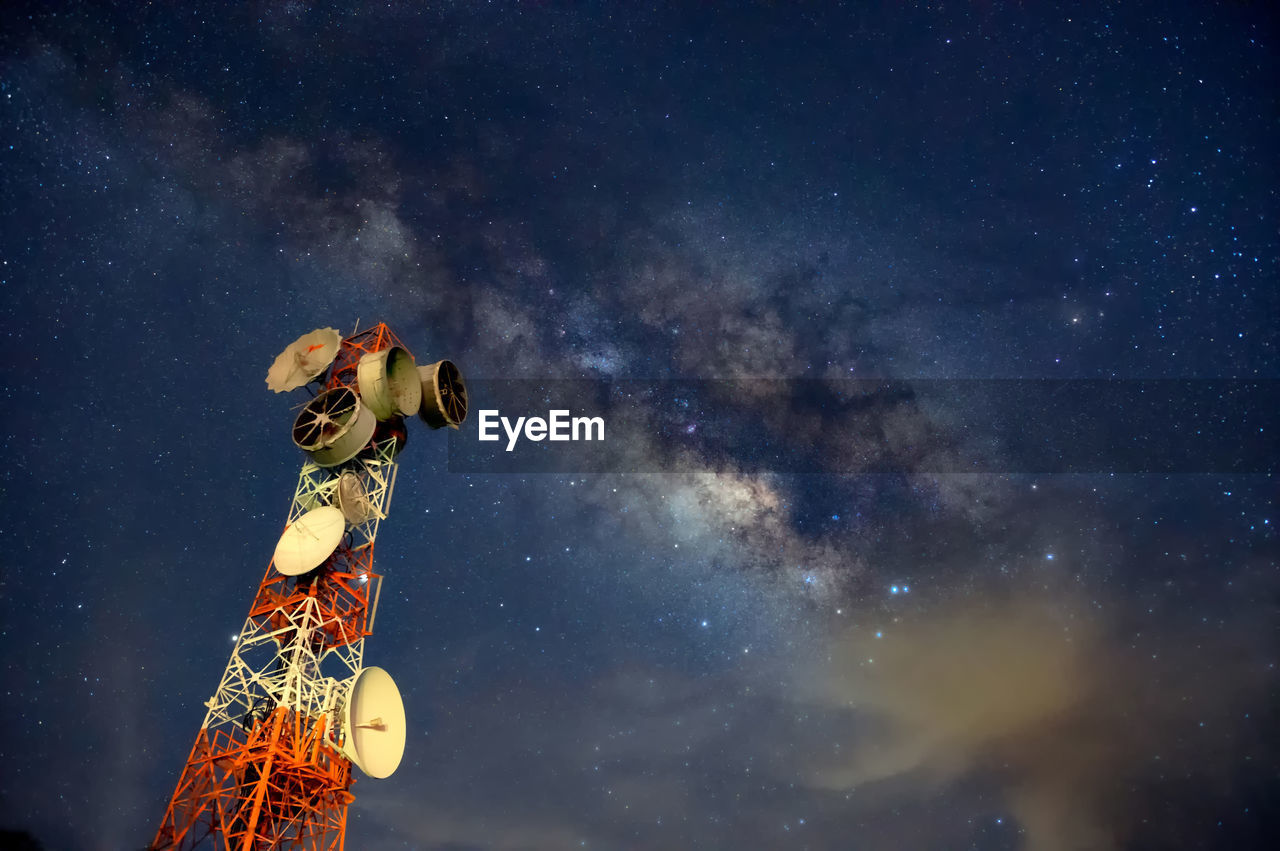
<point x="295" y="708"/>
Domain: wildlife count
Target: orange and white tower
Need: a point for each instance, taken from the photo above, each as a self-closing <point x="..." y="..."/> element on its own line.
<point x="296" y="707"/>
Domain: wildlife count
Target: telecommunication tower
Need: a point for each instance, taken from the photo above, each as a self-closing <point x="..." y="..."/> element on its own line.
<point x="296" y="707"/>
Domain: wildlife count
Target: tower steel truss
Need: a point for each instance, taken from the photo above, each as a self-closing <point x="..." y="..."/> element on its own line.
<point x="266" y="770"/>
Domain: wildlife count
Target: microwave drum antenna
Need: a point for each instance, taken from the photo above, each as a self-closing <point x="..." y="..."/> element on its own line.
<point x="444" y="395"/>
<point x="334" y="426"/>
<point x="389" y="383"/>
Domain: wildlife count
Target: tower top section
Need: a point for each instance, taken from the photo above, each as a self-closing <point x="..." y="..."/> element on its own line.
<point x="367" y="384"/>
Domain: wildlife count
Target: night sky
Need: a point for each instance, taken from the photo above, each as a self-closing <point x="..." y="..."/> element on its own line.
<point x="719" y="652"/>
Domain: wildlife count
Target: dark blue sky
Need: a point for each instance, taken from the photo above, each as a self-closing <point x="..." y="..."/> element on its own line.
<point x="710" y="658"/>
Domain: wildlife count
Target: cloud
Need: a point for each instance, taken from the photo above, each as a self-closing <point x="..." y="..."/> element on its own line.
<point x="1018" y="707"/>
<point x="1041" y="699"/>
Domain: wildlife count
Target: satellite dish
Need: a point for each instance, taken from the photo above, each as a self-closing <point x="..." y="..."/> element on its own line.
<point x="389" y="383"/>
<point x="353" y="501"/>
<point x="334" y="426"/>
<point x="444" y="395"/>
<point x="309" y="540"/>
<point x="304" y="359"/>
<point x="373" y="728"/>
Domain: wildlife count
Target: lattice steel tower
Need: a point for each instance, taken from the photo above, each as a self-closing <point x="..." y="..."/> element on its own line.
<point x="295" y="708"/>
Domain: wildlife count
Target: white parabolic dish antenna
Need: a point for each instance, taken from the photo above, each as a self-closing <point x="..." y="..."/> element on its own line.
<point x="304" y="359"/>
<point x="309" y="540"/>
<point x="373" y="728"/>
<point x="352" y="499"/>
